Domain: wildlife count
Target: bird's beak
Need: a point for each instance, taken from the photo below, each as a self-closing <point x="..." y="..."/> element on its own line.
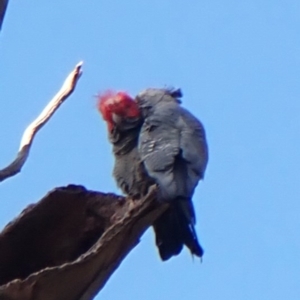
<point x="116" y="118"/>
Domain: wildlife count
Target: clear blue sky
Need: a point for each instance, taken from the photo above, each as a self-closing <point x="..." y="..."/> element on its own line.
<point x="238" y="64"/>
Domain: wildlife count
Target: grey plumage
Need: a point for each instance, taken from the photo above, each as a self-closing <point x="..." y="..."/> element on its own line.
<point x="129" y="171"/>
<point x="159" y="142"/>
<point x="173" y="148"/>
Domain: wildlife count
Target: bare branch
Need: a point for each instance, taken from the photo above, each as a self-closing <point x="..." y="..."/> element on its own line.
<point x="30" y="132"/>
<point x="3" y="6"/>
<point x="74" y="240"/>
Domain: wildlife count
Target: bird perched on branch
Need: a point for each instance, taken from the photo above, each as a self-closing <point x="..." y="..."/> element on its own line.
<point x="155" y="140"/>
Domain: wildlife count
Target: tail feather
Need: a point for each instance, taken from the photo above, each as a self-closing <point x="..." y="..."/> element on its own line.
<point x="168" y="239"/>
<point x="175" y="228"/>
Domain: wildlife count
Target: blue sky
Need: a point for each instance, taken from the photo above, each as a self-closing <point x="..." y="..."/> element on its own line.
<point x="238" y="64"/>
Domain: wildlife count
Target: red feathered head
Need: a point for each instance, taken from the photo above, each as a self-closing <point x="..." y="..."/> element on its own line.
<point x="120" y="104"/>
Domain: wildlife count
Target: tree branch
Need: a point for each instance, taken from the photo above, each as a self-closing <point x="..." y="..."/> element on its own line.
<point x="74" y="240"/>
<point x="30" y="132"/>
<point x="3" y="6"/>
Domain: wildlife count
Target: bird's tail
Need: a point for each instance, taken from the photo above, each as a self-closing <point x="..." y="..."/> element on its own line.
<point x="175" y="228"/>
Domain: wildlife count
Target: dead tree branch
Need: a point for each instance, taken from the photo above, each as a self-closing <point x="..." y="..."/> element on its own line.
<point x="3" y="6"/>
<point x="74" y="240"/>
<point x="30" y="132"/>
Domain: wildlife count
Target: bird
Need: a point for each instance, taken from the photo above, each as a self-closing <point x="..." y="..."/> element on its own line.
<point x="174" y="151"/>
<point x="138" y="134"/>
<point x="124" y="121"/>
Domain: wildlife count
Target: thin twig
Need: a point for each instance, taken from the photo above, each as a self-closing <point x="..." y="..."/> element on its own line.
<point x="30" y="132"/>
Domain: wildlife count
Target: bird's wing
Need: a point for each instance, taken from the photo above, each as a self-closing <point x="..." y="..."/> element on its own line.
<point x="158" y="145"/>
<point x="193" y="142"/>
<point x="173" y="149"/>
<point x="158" y="148"/>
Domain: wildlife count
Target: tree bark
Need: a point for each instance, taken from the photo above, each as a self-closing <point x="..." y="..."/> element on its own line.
<point x="3" y="6"/>
<point x="67" y="245"/>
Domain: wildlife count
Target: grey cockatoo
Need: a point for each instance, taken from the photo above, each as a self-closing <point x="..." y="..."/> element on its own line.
<point x="124" y="121"/>
<point x="173" y="148"/>
<point x="124" y="118"/>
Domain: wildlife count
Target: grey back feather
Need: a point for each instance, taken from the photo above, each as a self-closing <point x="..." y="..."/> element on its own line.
<point x="172" y="144"/>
